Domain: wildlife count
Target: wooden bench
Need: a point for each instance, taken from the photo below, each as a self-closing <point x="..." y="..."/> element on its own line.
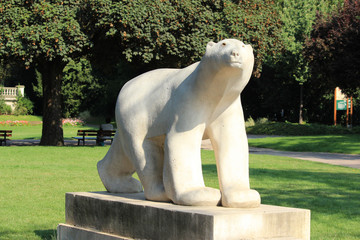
<point x="97" y="135"/>
<point x="4" y="134"/>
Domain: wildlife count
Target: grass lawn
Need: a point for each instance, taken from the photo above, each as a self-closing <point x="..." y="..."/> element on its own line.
<point x="34" y="132"/>
<point x="346" y="143"/>
<point x="34" y="181"/>
<point x="20" y="118"/>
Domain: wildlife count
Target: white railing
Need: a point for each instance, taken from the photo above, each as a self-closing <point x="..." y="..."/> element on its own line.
<point x="9" y="91"/>
<point x="10" y="94"/>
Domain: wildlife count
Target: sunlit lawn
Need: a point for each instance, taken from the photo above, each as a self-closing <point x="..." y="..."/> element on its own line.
<point x="34" y="181"/>
<point x="346" y="143"/>
<point x="20" y="118"/>
<point x="34" y="132"/>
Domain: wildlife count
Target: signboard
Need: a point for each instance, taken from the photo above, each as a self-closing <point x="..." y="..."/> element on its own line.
<point x="341" y="104"/>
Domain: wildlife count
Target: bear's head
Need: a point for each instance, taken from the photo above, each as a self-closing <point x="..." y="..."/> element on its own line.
<point x="230" y="53"/>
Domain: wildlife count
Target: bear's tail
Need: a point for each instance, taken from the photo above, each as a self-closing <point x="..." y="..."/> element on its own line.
<point x="116" y="170"/>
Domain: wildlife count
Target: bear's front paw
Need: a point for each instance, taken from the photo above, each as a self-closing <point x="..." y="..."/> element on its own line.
<point x="241" y="198"/>
<point x="200" y="196"/>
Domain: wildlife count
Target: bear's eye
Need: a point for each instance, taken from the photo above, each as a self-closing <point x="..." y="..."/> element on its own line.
<point x="224" y="44"/>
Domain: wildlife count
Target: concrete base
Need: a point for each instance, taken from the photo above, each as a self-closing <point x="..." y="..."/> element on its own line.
<point x="102" y="215"/>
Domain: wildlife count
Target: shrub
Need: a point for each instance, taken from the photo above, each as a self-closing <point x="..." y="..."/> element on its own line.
<point x="85" y="115"/>
<point x="295" y="129"/>
<point x="250" y="122"/>
<point x="24" y="106"/>
<point x="4" y="108"/>
<point x="262" y="120"/>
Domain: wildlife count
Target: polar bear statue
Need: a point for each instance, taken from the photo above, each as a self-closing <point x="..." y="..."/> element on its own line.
<point x="162" y="117"/>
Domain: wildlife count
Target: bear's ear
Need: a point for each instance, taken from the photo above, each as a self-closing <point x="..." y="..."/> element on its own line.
<point x="209" y="45"/>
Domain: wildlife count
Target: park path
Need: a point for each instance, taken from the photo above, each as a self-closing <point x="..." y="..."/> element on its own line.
<point x="347" y="160"/>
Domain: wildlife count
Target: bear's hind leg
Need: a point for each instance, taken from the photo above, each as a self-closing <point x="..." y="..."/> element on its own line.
<point x="116" y="170"/>
<point x="148" y="158"/>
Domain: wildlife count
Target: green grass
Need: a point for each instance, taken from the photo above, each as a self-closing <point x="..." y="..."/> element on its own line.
<point x="20" y="118"/>
<point x="347" y="143"/>
<point x="332" y="193"/>
<point x="32" y="118"/>
<point x="295" y="129"/>
<point x="34" y="181"/>
<point x="34" y="132"/>
<point x="24" y="132"/>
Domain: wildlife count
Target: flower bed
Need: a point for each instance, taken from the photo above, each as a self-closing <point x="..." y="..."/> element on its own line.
<point x="14" y="123"/>
<point x="72" y="122"/>
<point x="65" y="122"/>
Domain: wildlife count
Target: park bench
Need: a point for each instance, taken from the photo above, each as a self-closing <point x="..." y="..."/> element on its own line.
<point x="4" y="134"/>
<point x="97" y="135"/>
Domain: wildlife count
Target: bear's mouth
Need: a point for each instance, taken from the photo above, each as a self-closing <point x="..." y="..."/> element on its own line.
<point x="235" y="63"/>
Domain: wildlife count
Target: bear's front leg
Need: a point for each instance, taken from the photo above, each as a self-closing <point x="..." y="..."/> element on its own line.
<point x="229" y="140"/>
<point x="183" y="179"/>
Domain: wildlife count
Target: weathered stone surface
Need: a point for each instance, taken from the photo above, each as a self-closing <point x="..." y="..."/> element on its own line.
<point x="130" y="216"/>
<point x="69" y="232"/>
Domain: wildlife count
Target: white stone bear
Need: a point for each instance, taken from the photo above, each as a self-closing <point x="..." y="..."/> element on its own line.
<point x="163" y="115"/>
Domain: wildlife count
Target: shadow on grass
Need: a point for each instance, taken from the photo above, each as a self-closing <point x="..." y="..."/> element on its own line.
<point x="332" y="143"/>
<point x="209" y="169"/>
<point x="49" y="234"/>
<point x="322" y="192"/>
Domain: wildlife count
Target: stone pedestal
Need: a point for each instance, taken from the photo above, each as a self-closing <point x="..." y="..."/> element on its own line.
<point x="102" y="215"/>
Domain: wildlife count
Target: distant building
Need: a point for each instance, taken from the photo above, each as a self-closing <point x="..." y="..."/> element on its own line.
<point x="9" y="94"/>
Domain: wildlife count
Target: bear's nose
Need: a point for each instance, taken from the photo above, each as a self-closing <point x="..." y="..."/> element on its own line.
<point x="235" y="53"/>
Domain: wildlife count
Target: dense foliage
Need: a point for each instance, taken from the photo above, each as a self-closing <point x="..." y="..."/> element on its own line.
<point x="80" y="87"/>
<point x="4" y="108"/>
<point x="286" y="90"/>
<point x="174" y="33"/>
<point x="40" y="31"/>
<point x="79" y="53"/>
<point x="295" y="129"/>
<point x="333" y="49"/>
<point x="45" y="35"/>
<point x="48" y="35"/>
<point x="23" y="106"/>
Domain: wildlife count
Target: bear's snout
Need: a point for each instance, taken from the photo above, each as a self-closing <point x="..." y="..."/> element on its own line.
<point x="241" y="53"/>
<point x="235" y="53"/>
<point x="235" y="56"/>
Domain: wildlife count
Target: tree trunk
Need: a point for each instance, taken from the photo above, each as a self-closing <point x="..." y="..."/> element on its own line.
<point x="301" y="119"/>
<point x="52" y="131"/>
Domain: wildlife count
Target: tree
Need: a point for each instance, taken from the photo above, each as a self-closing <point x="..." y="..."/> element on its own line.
<point x="80" y="88"/>
<point x="333" y="49"/>
<point x="297" y="18"/>
<point x="174" y="33"/>
<point x="153" y="34"/>
<point x="45" y="35"/>
<point x="48" y="34"/>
